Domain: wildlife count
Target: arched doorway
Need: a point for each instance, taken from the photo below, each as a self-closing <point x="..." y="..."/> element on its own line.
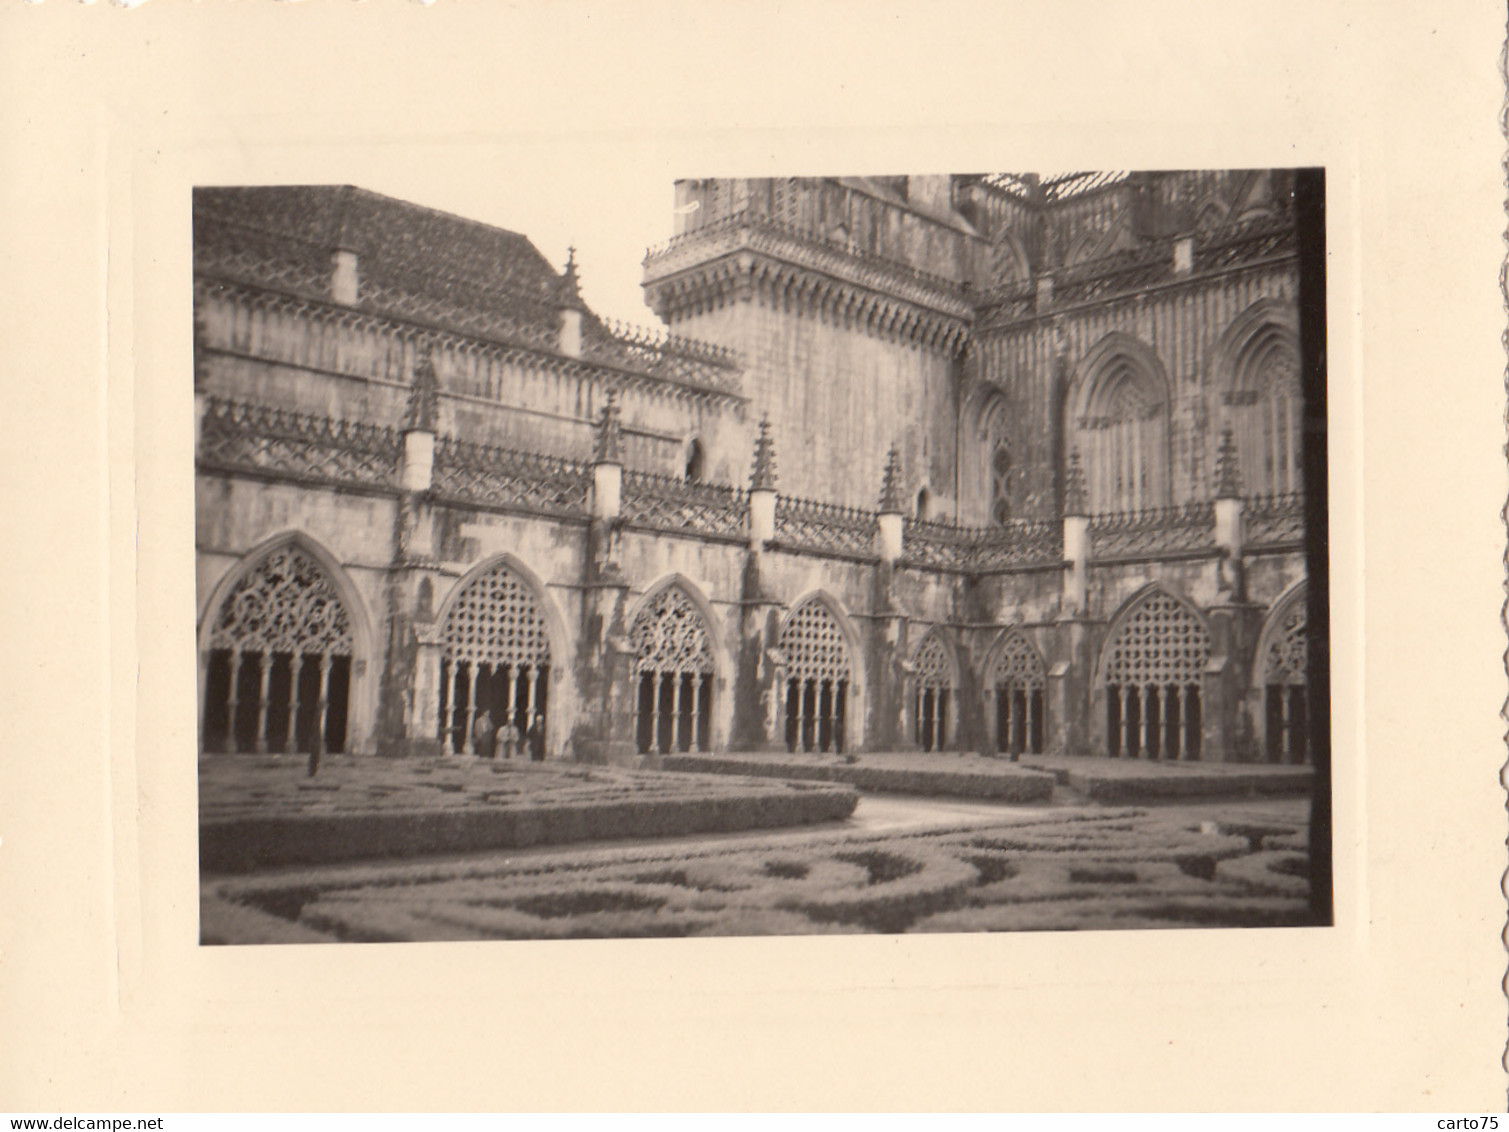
<point x="1282" y="675"/>
<point x="932" y="693"/>
<point x="278" y="676"/>
<point x="1018" y="681"/>
<point x="818" y="677"/>
<point x="495" y="666"/>
<point x="1151" y="670"/>
<point x="674" y="675"/>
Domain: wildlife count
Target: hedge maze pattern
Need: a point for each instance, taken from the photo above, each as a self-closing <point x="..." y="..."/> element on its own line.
<point x="1123" y="868"/>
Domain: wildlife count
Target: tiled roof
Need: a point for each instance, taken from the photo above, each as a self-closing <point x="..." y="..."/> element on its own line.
<point x="398" y="245"/>
<point x="420" y="264"/>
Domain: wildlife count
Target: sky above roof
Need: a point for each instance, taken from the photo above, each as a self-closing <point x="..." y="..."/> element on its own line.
<point x="610" y="222"/>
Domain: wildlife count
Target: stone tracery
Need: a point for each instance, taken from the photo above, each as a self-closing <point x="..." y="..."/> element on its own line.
<point x="495" y="667"/>
<point x="932" y="693"/>
<point x="818" y="676"/>
<point x="1018" y="682"/>
<point x="1284" y="663"/>
<point x="279" y="668"/>
<point x="673" y="665"/>
<point x="1152" y="673"/>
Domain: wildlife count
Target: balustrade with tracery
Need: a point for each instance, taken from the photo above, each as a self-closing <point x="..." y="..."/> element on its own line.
<point x="1018" y="682"/>
<point x="932" y="693"/>
<point x="818" y="677"/>
<point x="235" y="435"/>
<point x="279" y="670"/>
<point x="825" y="527"/>
<point x="496" y="668"/>
<point x="673" y="666"/>
<point x="1152" y="674"/>
<point x="678" y="506"/>
<point x="1285" y="703"/>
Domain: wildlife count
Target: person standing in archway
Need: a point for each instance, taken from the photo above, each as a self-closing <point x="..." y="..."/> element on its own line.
<point x="484" y="735"/>
<point x="536" y="739"/>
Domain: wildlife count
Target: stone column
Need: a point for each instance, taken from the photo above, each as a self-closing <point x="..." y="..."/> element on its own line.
<point x="889" y="675"/>
<point x="1231" y="582"/>
<point x="1075" y="706"/>
<point x="604" y="732"/>
<point x="759" y="678"/>
<point x="1077" y="544"/>
<point x="409" y="685"/>
<point x="424" y="730"/>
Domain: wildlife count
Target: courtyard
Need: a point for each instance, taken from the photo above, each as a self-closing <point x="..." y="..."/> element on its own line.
<point x="599" y="852"/>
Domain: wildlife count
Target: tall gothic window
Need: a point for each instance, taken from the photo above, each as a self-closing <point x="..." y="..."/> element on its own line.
<point x="1123" y="429"/>
<point x="279" y="672"/>
<point x="995" y="462"/>
<point x="1152" y="673"/>
<point x="1018" y="682"/>
<point x="1286" y="736"/>
<point x="1000" y="485"/>
<point x="694" y="462"/>
<point x="673" y="666"/>
<point x="495" y="667"/>
<point x="818" y="675"/>
<point x="1266" y="412"/>
<point x="932" y="693"/>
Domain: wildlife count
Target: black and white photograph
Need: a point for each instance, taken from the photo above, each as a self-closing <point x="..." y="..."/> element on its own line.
<point x="674" y="557"/>
<point x="947" y="555"/>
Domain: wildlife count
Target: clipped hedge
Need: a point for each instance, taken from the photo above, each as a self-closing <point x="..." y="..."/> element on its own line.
<point x="1200" y="866"/>
<point x="1008" y="784"/>
<point x="1105" y="785"/>
<point x="244" y="844"/>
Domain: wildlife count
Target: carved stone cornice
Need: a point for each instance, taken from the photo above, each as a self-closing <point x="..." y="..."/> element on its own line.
<point x="434" y="335"/>
<point x="751" y="258"/>
<point x="1253" y="248"/>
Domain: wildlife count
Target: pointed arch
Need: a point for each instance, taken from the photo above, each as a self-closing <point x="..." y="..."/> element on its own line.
<point x="696" y="459"/>
<point x="824" y="675"/>
<point x="1120" y="400"/>
<point x="934" y="690"/>
<point x="1280" y="678"/>
<point x="503" y="655"/>
<point x="1085" y="246"/>
<point x="679" y="668"/>
<point x="988" y="467"/>
<point x="1152" y="671"/>
<point x="285" y="652"/>
<point x="1016" y="694"/>
<point x="1210" y="214"/>
<point x="1255" y="364"/>
<point x="1009" y="261"/>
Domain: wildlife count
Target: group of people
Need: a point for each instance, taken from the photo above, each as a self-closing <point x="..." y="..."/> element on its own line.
<point x="487" y="737"/>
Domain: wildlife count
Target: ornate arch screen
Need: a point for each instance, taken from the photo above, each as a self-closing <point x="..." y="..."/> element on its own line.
<point x="932" y="693"/>
<point x="1019" y="683"/>
<point x="817" y="679"/>
<point x="1285" y="684"/>
<point x="1125" y="442"/>
<point x="279" y="671"/>
<point x="1152" y="676"/>
<point x="495" y="669"/>
<point x="673" y="666"/>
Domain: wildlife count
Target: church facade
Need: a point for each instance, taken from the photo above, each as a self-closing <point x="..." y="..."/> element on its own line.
<point x="999" y="463"/>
